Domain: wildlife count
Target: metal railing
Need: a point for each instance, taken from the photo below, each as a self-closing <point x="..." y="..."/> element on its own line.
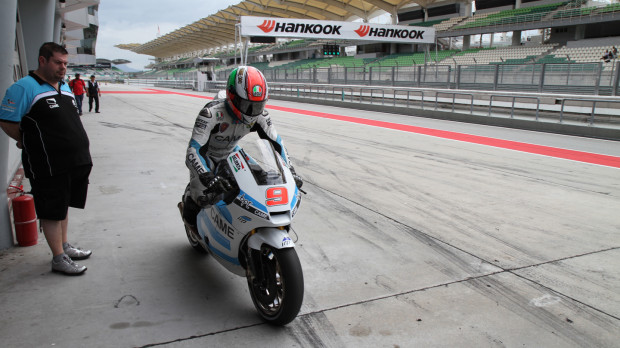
<point x="582" y="100"/>
<point x="181" y="84"/>
<point x="487" y="104"/>
<point x="596" y="78"/>
<point x="548" y="18"/>
<point x="454" y="94"/>
<point x="514" y="98"/>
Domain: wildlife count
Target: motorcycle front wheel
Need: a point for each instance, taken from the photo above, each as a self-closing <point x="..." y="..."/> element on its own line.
<point x="277" y="288"/>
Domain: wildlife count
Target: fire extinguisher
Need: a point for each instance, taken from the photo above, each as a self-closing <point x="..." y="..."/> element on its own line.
<point x="25" y="219"/>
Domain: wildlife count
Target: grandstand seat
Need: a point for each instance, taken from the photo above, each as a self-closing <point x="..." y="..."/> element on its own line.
<point x="520" y="15"/>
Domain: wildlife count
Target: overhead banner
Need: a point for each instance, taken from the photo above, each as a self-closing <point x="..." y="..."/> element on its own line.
<point x="332" y="30"/>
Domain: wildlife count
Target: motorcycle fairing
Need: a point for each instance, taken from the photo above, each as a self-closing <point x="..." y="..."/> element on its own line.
<point x="223" y="227"/>
<point x="271" y="236"/>
<point x="249" y="204"/>
<point x="223" y="209"/>
<point x="206" y="227"/>
<point x="295" y="202"/>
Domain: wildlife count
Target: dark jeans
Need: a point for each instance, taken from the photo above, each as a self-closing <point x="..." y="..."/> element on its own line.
<point x="90" y="102"/>
<point x="78" y="101"/>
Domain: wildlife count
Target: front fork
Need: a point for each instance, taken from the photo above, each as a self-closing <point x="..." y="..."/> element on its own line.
<point x="258" y="258"/>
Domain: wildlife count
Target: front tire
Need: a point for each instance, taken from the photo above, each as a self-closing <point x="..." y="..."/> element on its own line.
<point x="277" y="287"/>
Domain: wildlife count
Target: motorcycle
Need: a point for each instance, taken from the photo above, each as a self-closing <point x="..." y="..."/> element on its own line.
<point x="247" y="230"/>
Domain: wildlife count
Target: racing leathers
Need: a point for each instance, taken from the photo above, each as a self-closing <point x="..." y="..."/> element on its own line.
<point x="216" y="133"/>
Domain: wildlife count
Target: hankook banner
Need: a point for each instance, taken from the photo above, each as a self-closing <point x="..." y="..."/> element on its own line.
<point x="314" y="29"/>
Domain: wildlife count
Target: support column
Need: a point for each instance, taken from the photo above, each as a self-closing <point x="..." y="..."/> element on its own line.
<point x="38" y="27"/>
<point x="468" y="9"/>
<point x="516" y="38"/>
<point x="7" y="50"/>
<point x="467" y="38"/>
<point x="8" y="23"/>
<point x="466" y="42"/>
<point x="580" y="32"/>
<point x="58" y="29"/>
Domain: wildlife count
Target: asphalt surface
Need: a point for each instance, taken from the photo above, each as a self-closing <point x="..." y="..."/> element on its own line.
<point x="405" y="239"/>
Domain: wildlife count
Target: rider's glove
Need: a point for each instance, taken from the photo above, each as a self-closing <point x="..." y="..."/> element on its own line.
<point x="205" y="178"/>
<point x="214" y="183"/>
<point x="298" y="181"/>
<point x="214" y="186"/>
<point x="207" y="199"/>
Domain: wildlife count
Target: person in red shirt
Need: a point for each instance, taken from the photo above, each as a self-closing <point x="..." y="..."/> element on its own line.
<point x="78" y="87"/>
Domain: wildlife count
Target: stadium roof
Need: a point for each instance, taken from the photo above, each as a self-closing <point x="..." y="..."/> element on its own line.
<point x="218" y="30"/>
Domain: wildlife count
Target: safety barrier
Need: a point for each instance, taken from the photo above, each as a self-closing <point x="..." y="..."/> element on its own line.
<point x="595" y="78"/>
<point x="514" y="98"/>
<point x="181" y="84"/>
<point x="582" y="100"/>
<point x="488" y="103"/>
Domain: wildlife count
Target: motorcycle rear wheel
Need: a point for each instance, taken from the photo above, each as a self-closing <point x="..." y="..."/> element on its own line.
<point x="194" y="242"/>
<point x="277" y="288"/>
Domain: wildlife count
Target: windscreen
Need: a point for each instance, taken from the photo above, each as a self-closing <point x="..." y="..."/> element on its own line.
<point x="265" y="166"/>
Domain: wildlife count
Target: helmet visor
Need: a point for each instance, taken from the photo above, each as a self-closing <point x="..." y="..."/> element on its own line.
<point x="250" y="108"/>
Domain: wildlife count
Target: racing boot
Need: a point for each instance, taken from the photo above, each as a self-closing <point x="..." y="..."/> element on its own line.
<point x="189" y="210"/>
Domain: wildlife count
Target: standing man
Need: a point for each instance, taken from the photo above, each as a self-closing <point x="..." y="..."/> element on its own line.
<point x="40" y="113"/>
<point x="93" y="92"/>
<point x="78" y="87"/>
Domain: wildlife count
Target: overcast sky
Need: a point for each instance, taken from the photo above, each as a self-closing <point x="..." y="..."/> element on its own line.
<point x="136" y="21"/>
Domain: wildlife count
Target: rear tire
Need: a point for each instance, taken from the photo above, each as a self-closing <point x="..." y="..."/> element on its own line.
<point x="193" y="241"/>
<point x="191" y="237"/>
<point x="277" y="288"/>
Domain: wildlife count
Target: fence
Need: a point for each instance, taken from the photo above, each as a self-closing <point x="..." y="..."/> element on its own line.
<point x="602" y="111"/>
<point x="587" y="78"/>
<point x="182" y="84"/>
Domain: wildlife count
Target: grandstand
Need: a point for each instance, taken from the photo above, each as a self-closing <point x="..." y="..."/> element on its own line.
<point x="111" y="74"/>
<point x="520" y="15"/>
<point x="579" y="54"/>
<point x="503" y="55"/>
<point x="103" y="69"/>
<point x="558" y="22"/>
<point x="413" y="59"/>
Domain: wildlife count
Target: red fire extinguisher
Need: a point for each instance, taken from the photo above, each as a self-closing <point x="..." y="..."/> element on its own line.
<point x="25" y="219"/>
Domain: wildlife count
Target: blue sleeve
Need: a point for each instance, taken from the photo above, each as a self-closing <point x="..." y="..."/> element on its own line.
<point x="65" y="87"/>
<point x="15" y="104"/>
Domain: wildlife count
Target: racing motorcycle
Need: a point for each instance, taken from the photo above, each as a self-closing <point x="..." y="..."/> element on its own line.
<point x="247" y="230"/>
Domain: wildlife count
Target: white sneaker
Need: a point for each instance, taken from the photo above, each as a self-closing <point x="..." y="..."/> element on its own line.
<point x="76" y="253"/>
<point x="67" y="266"/>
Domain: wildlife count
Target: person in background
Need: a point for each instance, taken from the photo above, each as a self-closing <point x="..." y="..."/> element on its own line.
<point x="93" y="92"/>
<point x="78" y="87"/>
<point x="39" y="112"/>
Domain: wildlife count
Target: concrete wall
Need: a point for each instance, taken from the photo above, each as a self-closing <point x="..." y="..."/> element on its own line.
<point x="8" y="150"/>
<point x="38" y="18"/>
<point x="38" y="21"/>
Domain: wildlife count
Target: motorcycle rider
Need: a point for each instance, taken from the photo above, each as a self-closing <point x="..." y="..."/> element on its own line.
<point x="218" y="128"/>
